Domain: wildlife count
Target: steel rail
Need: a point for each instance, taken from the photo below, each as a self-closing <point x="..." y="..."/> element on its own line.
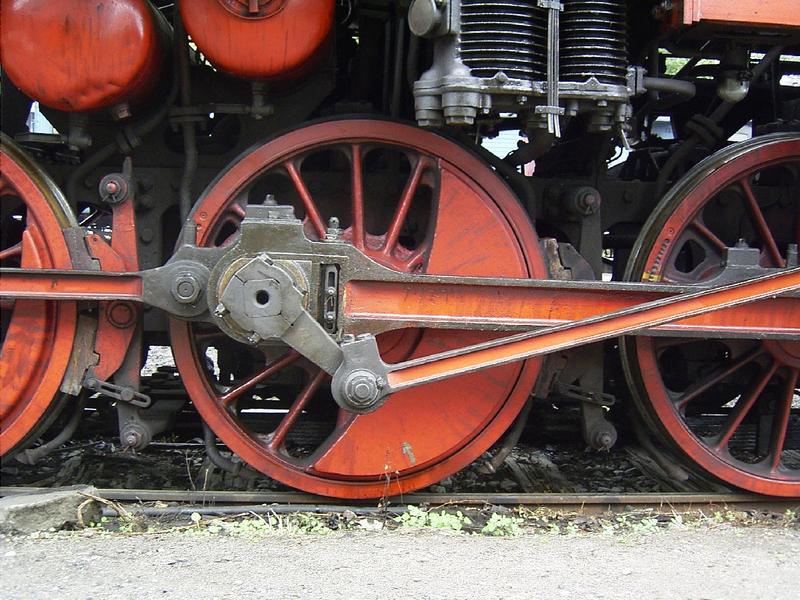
<point x="236" y="502"/>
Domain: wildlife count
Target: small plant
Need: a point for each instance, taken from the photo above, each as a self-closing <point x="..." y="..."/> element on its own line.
<point x="417" y="518"/>
<point x="413" y="517"/>
<point x="502" y="525"/>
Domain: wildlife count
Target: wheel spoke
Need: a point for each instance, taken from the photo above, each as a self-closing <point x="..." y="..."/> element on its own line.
<point x="399" y="217"/>
<point x="12" y="251"/>
<point x="238" y="210"/>
<point x="357" y="207"/>
<point x="275" y="366"/>
<point x="716" y="377"/>
<point x="279" y="435"/>
<point x="308" y="203"/>
<point x="780" y="421"/>
<point x="743" y="407"/>
<point x="417" y="257"/>
<point x="703" y="230"/>
<point x="761" y="224"/>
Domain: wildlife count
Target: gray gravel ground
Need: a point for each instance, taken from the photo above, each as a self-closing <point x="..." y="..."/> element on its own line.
<point x="723" y="563"/>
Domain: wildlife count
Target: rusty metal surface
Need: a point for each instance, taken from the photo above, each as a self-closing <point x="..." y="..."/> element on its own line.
<point x="300" y="502"/>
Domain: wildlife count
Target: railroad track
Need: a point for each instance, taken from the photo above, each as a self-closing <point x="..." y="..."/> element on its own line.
<point x="236" y="502"/>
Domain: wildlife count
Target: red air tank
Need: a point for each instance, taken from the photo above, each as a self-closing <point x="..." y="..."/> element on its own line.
<point x="83" y="55"/>
<point x="259" y="39"/>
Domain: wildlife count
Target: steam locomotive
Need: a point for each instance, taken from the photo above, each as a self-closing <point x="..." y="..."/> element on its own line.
<point x="299" y="199"/>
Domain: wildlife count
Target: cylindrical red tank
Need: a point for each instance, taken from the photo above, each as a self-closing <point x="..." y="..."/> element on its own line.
<point x="85" y="55"/>
<point x="259" y="39"/>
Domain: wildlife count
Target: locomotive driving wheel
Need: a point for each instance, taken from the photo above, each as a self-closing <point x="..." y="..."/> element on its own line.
<point x="37" y="336"/>
<point x="412" y="201"/>
<point x="732" y="406"/>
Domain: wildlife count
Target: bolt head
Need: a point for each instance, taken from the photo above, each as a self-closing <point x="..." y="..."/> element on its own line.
<point x="361" y="388"/>
<point x="132" y="439"/>
<point x="254" y="338"/>
<point x="186" y="288"/>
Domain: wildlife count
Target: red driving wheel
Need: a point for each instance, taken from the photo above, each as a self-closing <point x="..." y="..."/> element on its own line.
<point x="37" y="336"/>
<point x="732" y="406"/>
<point x="412" y="201"/>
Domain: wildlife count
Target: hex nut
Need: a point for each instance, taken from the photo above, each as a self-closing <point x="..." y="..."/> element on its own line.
<point x="186" y="288"/>
<point x="361" y="388"/>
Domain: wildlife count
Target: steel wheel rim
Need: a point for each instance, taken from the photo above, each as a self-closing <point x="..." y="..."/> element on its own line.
<point x="37" y="336"/>
<point x="677" y="221"/>
<point x="516" y="226"/>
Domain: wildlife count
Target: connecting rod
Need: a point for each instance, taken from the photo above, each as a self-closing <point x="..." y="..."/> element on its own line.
<point x="363" y="381"/>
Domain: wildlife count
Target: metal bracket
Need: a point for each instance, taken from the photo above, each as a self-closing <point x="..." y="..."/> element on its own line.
<point x="552" y="110"/>
<point x="576" y="392"/>
<point x="550" y="4"/>
<point x="330" y="298"/>
<point x="118" y="392"/>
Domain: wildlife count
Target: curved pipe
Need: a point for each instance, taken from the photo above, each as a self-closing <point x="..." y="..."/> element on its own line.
<point x="683" y="152"/>
<point x="33" y="455"/>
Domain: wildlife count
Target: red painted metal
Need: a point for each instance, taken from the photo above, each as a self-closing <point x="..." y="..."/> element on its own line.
<point x="272" y="39"/>
<point x="419" y="437"/>
<point x="778" y="13"/>
<point x="117" y="320"/>
<point x="749" y="366"/>
<point x="66" y="286"/>
<point x="37" y="340"/>
<point x="83" y="56"/>
<point x="531" y="307"/>
<point x="593" y="330"/>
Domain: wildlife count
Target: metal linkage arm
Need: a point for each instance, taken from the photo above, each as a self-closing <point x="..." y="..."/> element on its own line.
<point x="178" y="287"/>
<point x="363" y="381"/>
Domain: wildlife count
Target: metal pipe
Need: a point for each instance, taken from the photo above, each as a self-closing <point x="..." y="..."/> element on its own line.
<point x="128" y="139"/>
<point x="397" y="80"/>
<point x="31" y="456"/>
<point x="511" y="438"/>
<point x="214" y="455"/>
<point x="668" y="84"/>
<point x="187" y="124"/>
<point x="719" y="113"/>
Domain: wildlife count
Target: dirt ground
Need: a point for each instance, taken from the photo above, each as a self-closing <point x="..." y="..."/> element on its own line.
<point x="725" y="563"/>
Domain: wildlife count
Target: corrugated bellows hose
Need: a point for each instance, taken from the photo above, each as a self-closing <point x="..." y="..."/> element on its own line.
<point x="594" y="41"/>
<point x="504" y="35"/>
